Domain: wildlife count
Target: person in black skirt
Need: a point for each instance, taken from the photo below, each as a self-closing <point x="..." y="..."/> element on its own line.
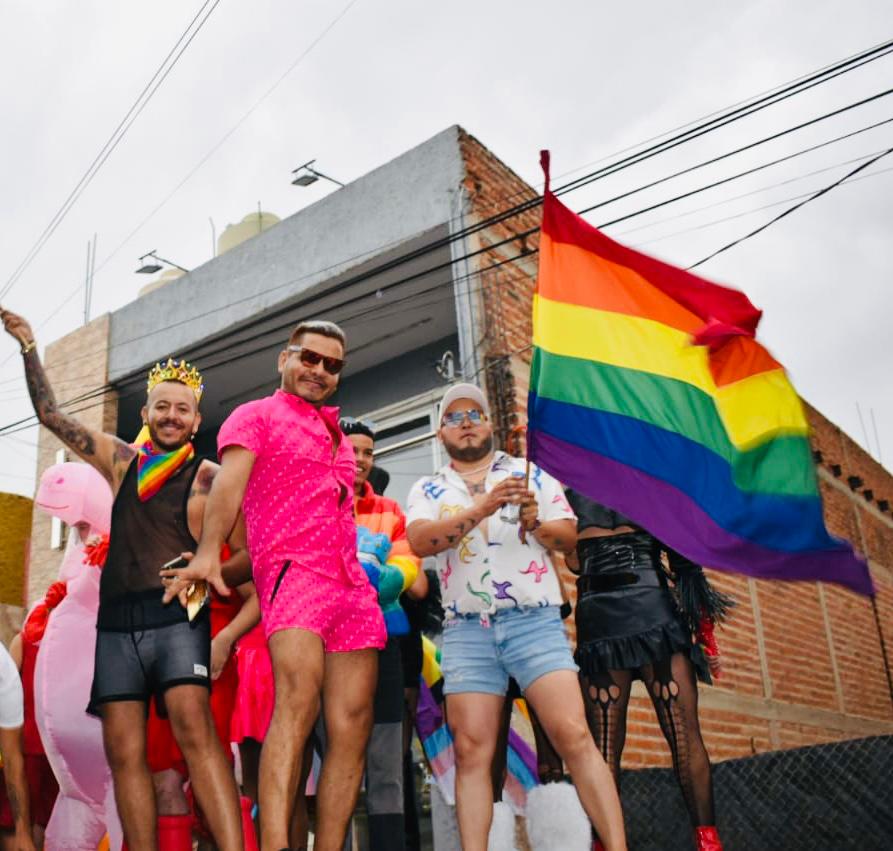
<point x="631" y="624"/>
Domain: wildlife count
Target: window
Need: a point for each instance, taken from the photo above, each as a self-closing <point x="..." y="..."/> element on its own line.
<point x="406" y="445"/>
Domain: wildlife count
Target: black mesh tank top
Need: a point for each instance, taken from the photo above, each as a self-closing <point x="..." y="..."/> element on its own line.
<point x="145" y="535"/>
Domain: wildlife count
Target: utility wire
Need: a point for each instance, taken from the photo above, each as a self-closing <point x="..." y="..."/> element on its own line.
<point x="744" y="213"/>
<point x="114" y="140"/>
<point x="527" y="205"/>
<point x="226" y="338"/>
<point x="751" y="145"/>
<point x="796" y="207"/>
<point x="723" y="118"/>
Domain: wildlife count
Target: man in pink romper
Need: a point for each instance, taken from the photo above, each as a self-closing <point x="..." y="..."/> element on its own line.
<point x="286" y="463"/>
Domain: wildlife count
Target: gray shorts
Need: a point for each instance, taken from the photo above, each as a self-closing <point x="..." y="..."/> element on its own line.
<point x="147" y="660"/>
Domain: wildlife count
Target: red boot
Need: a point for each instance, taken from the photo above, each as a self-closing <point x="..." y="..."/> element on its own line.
<point x="707" y="839"/>
<point x="249" y="837"/>
<point x="175" y="833"/>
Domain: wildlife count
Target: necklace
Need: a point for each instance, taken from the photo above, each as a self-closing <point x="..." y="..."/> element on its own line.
<point x="469" y="473"/>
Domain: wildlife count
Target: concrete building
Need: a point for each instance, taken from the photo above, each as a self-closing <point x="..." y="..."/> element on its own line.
<point x="804" y="662"/>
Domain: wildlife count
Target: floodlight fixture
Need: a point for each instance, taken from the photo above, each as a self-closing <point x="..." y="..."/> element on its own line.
<point x="150" y="267"/>
<point x="306" y="175"/>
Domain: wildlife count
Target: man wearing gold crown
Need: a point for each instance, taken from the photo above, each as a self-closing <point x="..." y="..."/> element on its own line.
<point x="286" y="462"/>
<point x="145" y="648"/>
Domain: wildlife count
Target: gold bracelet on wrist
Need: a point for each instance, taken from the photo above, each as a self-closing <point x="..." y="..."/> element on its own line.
<point x="29" y="347"/>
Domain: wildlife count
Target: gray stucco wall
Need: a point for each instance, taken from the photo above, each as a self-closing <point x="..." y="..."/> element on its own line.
<point x="409" y="195"/>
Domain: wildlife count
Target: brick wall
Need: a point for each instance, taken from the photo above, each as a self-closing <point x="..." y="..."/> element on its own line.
<point x="75" y="365"/>
<point x="803" y="661"/>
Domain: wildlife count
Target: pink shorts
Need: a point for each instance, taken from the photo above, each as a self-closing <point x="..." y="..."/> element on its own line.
<point x="345" y="617"/>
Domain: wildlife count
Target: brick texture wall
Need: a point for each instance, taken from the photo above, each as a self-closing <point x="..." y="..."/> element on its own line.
<point x="803" y="661"/>
<point x="75" y="365"/>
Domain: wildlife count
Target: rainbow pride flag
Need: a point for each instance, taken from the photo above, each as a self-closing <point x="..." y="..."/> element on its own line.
<point x="649" y="393"/>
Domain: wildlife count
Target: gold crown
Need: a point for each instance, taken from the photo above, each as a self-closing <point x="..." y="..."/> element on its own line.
<point x="183" y="372"/>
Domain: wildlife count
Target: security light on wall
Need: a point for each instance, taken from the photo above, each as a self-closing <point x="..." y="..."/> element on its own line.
<point x="150" y="267"/>
<point x="306" y="175"/>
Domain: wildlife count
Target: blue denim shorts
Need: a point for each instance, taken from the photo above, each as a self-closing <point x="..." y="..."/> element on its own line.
<point x="519" y="643"/>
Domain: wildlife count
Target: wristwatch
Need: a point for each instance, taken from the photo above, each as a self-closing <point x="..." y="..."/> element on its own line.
<point x="28" y="347"/>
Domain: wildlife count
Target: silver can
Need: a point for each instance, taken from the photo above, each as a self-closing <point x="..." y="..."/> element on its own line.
<point x="511" y="511"/>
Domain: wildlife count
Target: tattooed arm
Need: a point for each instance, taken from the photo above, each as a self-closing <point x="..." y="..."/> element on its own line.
<point x="105" y="452"/>
<point x="429" y="537"/>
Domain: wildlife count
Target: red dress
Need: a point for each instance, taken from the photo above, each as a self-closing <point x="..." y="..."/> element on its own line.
<point x="161" y="747"/>
<point x="42" y="785"/>
<point x="254" y="699"/>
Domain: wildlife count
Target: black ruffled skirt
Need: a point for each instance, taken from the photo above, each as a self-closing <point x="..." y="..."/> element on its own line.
<point x="626" y="613"/>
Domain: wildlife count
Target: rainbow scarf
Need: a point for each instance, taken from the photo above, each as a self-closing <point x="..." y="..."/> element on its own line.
<point x="155" y="468"/>
<point x="649" y="393"/>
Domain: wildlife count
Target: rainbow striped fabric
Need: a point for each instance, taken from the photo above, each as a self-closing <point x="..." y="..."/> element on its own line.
<point x="155" y="468"/>
<point x="649" y="393"/>
<point x="437" y="741"/>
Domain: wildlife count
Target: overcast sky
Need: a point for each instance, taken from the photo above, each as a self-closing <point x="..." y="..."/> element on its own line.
<point x="585" y="79"/>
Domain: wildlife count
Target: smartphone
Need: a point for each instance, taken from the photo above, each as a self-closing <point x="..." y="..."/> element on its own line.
<point x="175" y="563"/>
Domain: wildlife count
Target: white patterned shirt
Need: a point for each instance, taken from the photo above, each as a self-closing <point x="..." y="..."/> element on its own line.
<point x="490" y="568"/>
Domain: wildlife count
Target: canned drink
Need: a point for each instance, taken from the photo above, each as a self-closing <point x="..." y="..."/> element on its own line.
<point x="511" y="511"/>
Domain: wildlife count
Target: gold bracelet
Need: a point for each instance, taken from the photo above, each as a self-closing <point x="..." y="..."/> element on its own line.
<point x="29" y="347"/>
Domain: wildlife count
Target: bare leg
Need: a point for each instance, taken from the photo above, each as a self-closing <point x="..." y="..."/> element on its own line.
<point x="170" y="799"/>
<point x="209" y="770"/>
<point x="298" y="664"/>
<point x="124" y="739"/>
<point x="474" y="721"/>
<point x="558" y="703"/>
<point x="348" y="689"/>
<point x="299" y="828"/>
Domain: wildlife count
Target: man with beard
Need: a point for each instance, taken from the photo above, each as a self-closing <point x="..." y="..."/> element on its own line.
<point x="145" y="648"/>
<point x="502" y="601"/>
<point x="286" y="462"/>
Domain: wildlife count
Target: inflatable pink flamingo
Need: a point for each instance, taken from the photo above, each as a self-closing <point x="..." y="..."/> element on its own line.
<point x="85" y="809"/>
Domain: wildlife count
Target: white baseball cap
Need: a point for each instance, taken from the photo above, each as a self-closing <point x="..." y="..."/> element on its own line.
<point x="462" y="391"/>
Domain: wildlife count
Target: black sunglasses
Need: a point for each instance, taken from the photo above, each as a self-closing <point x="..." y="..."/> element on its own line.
<point x="310" y="358"/>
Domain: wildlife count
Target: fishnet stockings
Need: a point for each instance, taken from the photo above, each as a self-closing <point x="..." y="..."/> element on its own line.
<point x="673" y="690"/>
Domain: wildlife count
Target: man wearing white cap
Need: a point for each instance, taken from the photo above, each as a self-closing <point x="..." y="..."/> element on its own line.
<point x="491" y="534"/>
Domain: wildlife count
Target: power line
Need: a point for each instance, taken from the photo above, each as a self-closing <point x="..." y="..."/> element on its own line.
<point x="723" y="117"/>
<point x="738" y="113"/>
<point x="749" y="194"/>
<point x="226" y="337"/>
<point x="790" y="210"/>
<point x="502" y="216"/>
<point x="161" y="73"/>
<point x="217" y="146"/>
<point x="430" y="247"/>
<point x="745" y="213"/>
<point x="751" y="145"/>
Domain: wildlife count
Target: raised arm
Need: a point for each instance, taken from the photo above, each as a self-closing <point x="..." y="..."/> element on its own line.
<point x="105" y="452"/>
